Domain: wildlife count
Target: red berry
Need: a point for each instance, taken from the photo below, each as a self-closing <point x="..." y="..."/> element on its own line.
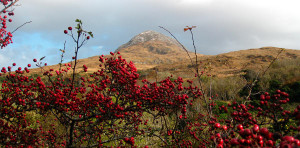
<point x="69" y="28"/>
<point x="225" y="128"/>
<point x="240" y="127"/>
<point x="270" y="143"/>
<point x="65" y="31"/>
<point x="234" y="142"/>
<point x="297" y="142"/>
<point x="218" y="135"/>
<point x="247" y="132"/>
<point x="219" y="146"/>
<point x="217" y="125"/>
<point x="14" y="64"/>
<point x="88" y="37"/>
<point x="264" y="131"/>
<point x="34" y="60"/>
<point x="255" y="128"/>
<point x="289" y="139"/>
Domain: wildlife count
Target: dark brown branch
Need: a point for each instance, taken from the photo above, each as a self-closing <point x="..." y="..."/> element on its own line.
<point x="178" y="43"/>
<point x="10" y="5"/>
<point x="264" y="72"/>
<point x="21" y="26"/>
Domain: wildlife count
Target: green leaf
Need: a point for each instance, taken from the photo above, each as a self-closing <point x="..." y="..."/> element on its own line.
<point x="78" y="21"/>
<point x="78" y="26"/>
<point x="91" y="34"/>
<point x="42" y="58"/>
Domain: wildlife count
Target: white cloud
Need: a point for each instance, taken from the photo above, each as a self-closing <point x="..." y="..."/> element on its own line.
<point x="100" y="47"/>
<point x="222" y="26"/>
<point x="3" y="60"/>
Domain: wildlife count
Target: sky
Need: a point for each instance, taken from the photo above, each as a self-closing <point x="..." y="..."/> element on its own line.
<point x="222" y="25"/>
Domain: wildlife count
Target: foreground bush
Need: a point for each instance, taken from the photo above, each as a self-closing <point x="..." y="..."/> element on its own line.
<point x="70" y="108"/>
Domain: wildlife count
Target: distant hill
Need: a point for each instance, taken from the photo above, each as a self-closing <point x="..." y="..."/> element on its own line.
<point x="235" y="62"/>
<point x="154" y="53"/>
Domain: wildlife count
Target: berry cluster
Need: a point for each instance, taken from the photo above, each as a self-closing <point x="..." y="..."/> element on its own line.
<point x="5" y="36"/>
<point x="67" y="107"/>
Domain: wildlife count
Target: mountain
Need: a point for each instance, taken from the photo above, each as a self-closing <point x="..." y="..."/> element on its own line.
<point x="151" y="37"/>
<point x="156" y="54"/>
<point x="149" y="49"/>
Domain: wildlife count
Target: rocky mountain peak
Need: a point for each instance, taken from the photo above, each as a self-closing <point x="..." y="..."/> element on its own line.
<point x="149" y="36"/>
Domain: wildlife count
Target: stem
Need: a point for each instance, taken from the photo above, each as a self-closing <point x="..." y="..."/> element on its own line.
<point x="195" y="49"/>
<point x="178" y="43"/>
<point x="264" y="72"/>
<point x="76" y="54"/>
<point x="71" y="134"/>
<point x="62" y="56"/>
<point x="21" y="26"/>
<point x="195" y="66"/>
<point x="10" y="5"/>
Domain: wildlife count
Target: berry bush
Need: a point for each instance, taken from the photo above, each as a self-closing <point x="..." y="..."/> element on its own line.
<point x="70" y="107"/>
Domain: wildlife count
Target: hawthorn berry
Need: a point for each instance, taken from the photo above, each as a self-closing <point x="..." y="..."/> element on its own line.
<point x="255" y="128"/>
<point x="240" y="127"/>
<point x="217" y="125"/>
<point x="234" y="141"/>
<point x="224" y="127"/>
<point x="264" y="131"/>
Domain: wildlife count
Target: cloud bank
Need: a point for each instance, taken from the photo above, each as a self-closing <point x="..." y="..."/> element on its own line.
<point x="222" y="26"/>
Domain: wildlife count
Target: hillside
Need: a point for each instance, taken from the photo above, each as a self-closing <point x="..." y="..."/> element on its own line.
<point x="235" y="62"/>
<point x="155" y="54"/>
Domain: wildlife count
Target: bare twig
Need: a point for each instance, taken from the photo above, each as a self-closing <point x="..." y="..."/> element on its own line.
<point x="263" y="73"/>
<point x="195" y="65"/>
<point x="178" y="42"/>
<point x="21" y="26"/>
<point x="62" y="55"/>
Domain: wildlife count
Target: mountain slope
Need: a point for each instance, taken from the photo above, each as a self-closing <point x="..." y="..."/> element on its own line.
<point x="150" y="49"/>
<point x="154" y="53"/>
<point x="235" y="62"/>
